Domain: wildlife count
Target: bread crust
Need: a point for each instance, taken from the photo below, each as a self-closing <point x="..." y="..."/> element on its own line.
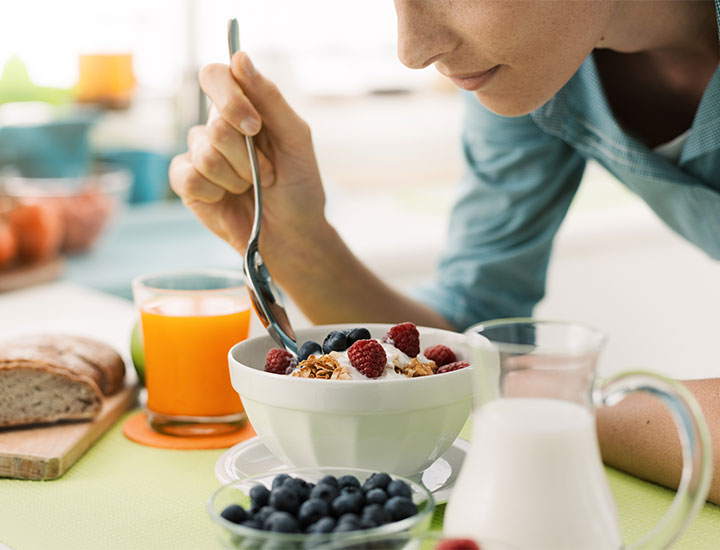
<point x="94" y="359"/>
<point x="50" y="377"/>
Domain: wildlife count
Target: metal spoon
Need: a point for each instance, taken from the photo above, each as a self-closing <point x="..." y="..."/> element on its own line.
<point x="263" y="292"/>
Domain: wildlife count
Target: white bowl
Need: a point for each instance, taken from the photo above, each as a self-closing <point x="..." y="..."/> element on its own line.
<point x="399" y="426"/>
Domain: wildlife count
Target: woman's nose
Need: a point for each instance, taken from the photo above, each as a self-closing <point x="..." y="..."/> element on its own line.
<point x="421" y="36"/>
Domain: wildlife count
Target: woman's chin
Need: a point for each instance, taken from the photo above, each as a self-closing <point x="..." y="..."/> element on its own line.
<point x="509" y="105"/>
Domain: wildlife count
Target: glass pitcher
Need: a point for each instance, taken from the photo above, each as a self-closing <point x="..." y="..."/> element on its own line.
<point x="534" y="476"/>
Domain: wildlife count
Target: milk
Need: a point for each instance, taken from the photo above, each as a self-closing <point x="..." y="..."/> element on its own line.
<point x="534" y="478"/>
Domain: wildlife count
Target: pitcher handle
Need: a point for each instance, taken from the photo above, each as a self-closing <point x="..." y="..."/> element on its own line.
<point x="694" y="439"/>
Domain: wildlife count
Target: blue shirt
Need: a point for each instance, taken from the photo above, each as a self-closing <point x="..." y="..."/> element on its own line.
<point x="522" y="174"/>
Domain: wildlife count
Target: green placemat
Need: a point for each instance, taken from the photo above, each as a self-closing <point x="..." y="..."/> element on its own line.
<point x="121" y="495"/>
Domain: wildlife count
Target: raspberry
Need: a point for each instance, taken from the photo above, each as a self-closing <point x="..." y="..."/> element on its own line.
<point x="457" y="365"/>
<point x="457" y="544"/>
<point x="368" y="356"/>
<point x="441" y="355"/>
<point x="280" y="361"/>
<point x="404" y="337"/>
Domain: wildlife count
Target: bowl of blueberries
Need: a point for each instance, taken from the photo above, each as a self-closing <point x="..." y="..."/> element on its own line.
<point x="307" y="508"/>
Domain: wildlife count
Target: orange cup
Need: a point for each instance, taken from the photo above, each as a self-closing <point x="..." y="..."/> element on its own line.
<point x="189" y="322"/>
<point x="106" y="79"/>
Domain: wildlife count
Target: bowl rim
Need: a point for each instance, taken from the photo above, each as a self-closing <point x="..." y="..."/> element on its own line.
<point x="398" y="526"/>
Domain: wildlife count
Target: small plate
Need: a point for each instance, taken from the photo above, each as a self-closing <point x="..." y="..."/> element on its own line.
<point x="252" y="457"/>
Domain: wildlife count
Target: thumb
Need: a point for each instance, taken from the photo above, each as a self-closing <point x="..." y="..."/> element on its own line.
<point x="278" y="117"/>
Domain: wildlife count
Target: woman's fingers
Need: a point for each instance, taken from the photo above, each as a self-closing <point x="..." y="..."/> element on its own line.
<point x="267" y="100"/>
<point x="232" y="146"/>
<point x="212" y="165"/>
<point x="190" y="185"/>
<point x="218" y="83"/>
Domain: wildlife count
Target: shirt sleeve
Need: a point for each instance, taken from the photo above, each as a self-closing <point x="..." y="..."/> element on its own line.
<point x="518" y="185"/>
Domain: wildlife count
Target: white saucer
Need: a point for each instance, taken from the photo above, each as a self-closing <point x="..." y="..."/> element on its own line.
<point x="252" y="457"/>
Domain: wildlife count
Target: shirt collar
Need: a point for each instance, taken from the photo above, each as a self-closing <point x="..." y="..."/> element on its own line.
<point x="581" y="105"/>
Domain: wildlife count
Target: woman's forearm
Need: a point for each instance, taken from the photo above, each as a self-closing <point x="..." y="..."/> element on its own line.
<point x="331" y="285"/>
<point x="638" y="436"/>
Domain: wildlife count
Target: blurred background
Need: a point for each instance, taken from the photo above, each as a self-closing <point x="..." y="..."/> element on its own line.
<point x="97" y="96"/>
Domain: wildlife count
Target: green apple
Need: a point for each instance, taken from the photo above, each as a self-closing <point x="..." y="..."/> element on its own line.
<point x="137" y="352"/>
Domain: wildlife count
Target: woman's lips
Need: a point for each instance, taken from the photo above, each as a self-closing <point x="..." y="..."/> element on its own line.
<point x="476" y="81"/>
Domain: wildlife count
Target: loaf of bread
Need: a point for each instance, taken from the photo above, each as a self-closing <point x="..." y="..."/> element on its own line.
<point x="51" y="377"/>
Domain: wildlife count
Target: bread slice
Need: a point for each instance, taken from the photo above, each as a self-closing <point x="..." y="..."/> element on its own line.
<point x="95" y="359"/>
<point x="51" y="377"/>
<point x="32" y="393"/>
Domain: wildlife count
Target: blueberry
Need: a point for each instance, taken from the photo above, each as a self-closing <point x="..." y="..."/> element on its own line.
<point x="323" y="525"/>
<point x="335" y="341"/>
<point x="259" y="496"/>
<point x="354" y="492"/>
<point x="311" y="511"/>
<point x="345" y="504"/>
<point x="348" y="481"/>
<point x="350" y="523"/>
<point x="299" y="487"/>
<point x="375" y="515"/>
<point x="325" y="491"/>
<point x="398" y="488"/>
<point x="234" y="513"/>
<point x="349" y="518"/>
<point x="279" y="480"/>
<point x="253" y="524"/>
<point x="309" y="348"/>
<point x="261" y="515"/>
<point x="329" y="480"/>
<point x="355" y="334"/>
<point x="284" y="498"/>
<point x="377" y="481"/>
<point x="400" y="508"/>
<point x="375" y="496"/>
<point x="281" y="522"/>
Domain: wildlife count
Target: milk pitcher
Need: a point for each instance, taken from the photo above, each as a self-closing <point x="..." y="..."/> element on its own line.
<point x="533" y="477"/>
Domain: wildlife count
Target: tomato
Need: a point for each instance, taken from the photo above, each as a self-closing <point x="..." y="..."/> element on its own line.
<point x="8" y="244"/>
<point x="39" y="228"/>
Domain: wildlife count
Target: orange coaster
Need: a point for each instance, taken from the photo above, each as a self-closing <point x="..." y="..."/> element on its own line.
<point x="136" y="428"/>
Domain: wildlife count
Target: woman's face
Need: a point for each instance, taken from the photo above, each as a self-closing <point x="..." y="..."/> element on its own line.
<point x="514" y="54"/>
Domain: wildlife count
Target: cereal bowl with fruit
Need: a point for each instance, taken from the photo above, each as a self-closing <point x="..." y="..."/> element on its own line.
<point x="382" y="397"/>
<point x="305" y="508"/>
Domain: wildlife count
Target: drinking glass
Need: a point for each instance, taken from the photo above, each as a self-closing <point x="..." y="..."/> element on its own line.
<point x="190" y="320"/>
<point x="534" y="475"/>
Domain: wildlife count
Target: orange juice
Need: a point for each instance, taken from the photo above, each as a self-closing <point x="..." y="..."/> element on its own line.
<point x="186" y="341"/>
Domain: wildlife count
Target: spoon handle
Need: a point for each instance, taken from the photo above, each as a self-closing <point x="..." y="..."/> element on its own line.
<point x="234" y="46"/>
<point x="264" y="294"/>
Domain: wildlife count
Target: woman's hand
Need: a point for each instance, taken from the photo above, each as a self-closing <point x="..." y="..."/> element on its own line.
<point x="214" y="179"/>
<point x="304" y="253"/>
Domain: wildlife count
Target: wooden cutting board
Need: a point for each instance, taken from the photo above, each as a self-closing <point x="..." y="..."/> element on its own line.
<point x="46" y="452"/>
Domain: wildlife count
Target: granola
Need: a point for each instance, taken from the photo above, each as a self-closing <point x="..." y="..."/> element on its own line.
<point x="416" y="368"/>
<point x="323" y="366"/>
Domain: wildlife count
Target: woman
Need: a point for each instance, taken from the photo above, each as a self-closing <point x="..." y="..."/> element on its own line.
<point x="632" y="84"/>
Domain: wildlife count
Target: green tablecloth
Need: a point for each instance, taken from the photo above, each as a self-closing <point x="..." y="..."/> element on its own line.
<point x="122" y="495"/>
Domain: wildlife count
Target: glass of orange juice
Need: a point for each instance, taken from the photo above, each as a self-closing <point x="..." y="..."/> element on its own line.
<point x="190" y="320"/>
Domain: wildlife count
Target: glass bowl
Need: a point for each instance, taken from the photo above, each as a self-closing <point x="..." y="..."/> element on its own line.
<point x="241" y="537"/>
<point x="50" y="217"/>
